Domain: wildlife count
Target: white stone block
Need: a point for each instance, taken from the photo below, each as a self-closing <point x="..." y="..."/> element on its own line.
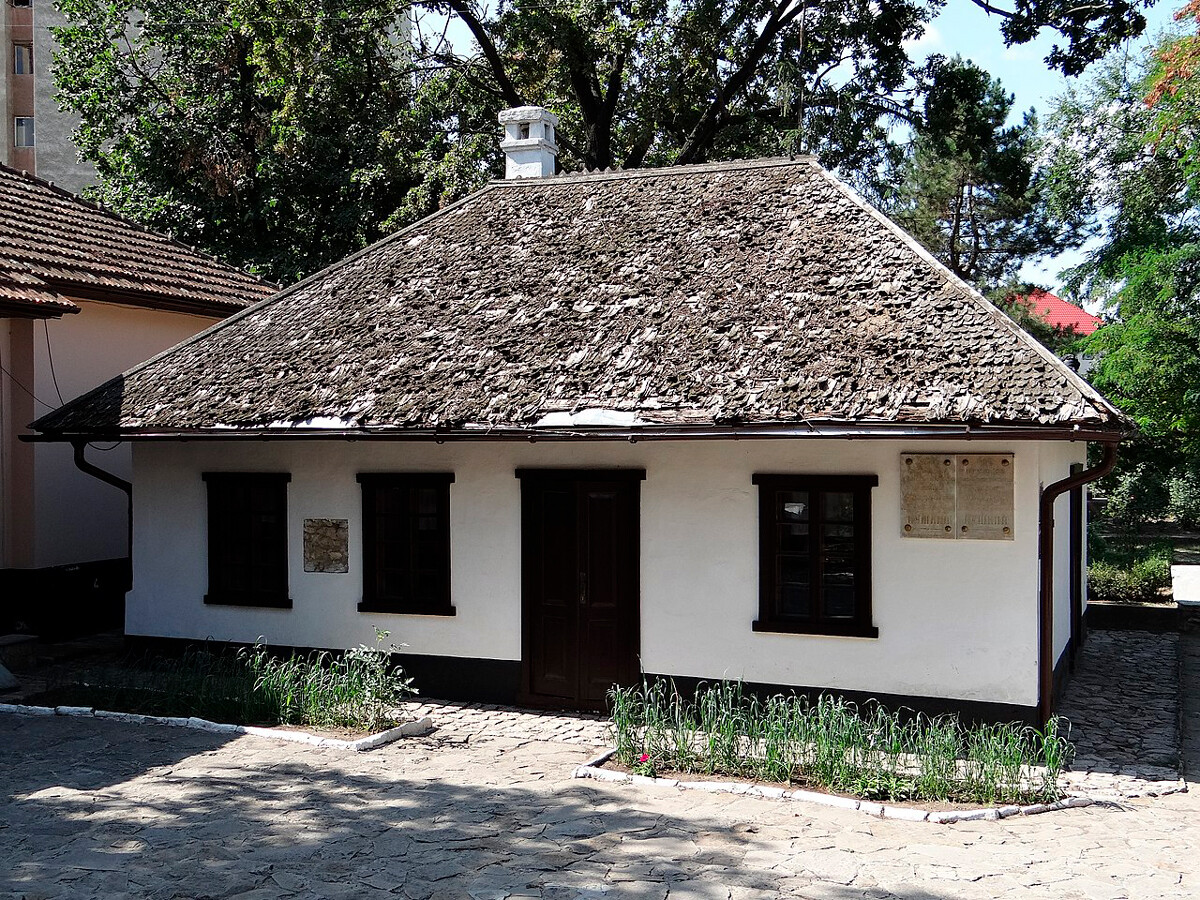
<point x="905" y="813"/>
<point x="871" y="809"/>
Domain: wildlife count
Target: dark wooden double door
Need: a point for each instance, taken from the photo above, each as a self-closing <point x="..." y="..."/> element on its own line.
<point x="580" y="584"/>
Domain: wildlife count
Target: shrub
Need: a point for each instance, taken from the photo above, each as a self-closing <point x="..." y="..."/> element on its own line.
<point x="1184" y="491"/>
<point x="1135" y="496"/>
<point x="830" y="742"/>
<point x="1130" y="574"/>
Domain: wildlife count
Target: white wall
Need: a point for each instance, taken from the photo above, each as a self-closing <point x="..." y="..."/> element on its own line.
<point x="956" y="618"/>
<point x="1056" y="462"/>
<point x="78" y="518"/>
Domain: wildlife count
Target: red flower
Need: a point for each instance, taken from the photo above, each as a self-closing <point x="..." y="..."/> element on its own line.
<point x="645" y="757"/>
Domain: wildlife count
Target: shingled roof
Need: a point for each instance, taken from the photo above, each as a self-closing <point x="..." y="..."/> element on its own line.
<point x="55" y="246"/>
<point x="760" y="294"/>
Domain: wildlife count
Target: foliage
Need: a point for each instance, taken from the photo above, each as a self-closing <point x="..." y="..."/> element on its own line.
<point x="1184" y="491"/>
<point x="1128" y="570"/>
<point x="278" y="134"/>
<point x="1141" y="200"/>
<point x="1175" y="93"/>
<point x="968" y="188"/>
<point x="1134" y="495"/>
<point x="871" y="753"/>
<point x="358" y="689"/>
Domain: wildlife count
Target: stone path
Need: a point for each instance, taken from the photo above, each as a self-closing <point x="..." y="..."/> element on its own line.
<point x="483" y="810"/>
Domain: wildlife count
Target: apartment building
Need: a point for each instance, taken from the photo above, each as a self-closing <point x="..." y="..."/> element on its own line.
<point x="37" y="134"/>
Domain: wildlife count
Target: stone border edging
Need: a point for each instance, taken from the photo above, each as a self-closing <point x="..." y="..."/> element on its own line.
<point x="592" y="769"/>
<point x="370" y="742"/>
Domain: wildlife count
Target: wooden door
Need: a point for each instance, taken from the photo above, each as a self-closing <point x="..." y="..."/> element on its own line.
<point x="580" y="584"/>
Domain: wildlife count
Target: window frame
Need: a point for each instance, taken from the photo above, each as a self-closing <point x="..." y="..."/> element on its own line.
<point x="220" y="593"/>
<point x="769" y="620"/>
<point x="17" y="47"/>
<point x="372" y="601"/>
<point x="21" y="4"/>
<point x="17" y="132"/>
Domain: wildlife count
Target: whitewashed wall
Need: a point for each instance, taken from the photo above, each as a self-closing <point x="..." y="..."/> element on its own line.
<point x="1056" y="461"/>
<point x="78" y="518"/>
<point x="956" y="619"/>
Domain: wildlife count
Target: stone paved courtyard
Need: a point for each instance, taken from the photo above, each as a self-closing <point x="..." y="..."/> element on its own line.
<point x="486" y="808"/>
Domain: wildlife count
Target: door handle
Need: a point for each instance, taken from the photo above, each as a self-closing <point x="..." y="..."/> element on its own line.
<point x="583" y="588"/>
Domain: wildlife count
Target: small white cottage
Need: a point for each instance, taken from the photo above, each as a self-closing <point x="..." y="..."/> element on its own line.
<point x="711" y="421"/>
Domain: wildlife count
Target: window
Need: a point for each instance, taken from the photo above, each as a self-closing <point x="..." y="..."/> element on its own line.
<point x="815" y="554"/>
<point x="22" y="3"/>
<point x="247" y="539"/>
<point x="22" y="59"/>
<point x="23" y="131"/>
<point x="406" y="543"/>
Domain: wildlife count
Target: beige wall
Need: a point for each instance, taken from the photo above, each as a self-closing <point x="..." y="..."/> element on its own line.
<point x="53" y="514"/>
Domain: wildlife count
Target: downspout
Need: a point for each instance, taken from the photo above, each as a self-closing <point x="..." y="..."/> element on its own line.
<point x="1046" y="569"/>
<point x="109" y="478"/>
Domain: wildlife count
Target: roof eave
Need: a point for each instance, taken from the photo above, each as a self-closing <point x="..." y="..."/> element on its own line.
<point x="845" y="430"/>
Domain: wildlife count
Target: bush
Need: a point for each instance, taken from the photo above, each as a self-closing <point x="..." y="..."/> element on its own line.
<point x="833" y="743"/>
<point x="1184" y="491"/>
<point x="1143" y="582"/>
<point x="1135" y="496"/>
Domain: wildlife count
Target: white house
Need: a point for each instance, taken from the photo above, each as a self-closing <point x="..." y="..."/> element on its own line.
<point x="84" y="295"/>
<point x="710" y="421"/>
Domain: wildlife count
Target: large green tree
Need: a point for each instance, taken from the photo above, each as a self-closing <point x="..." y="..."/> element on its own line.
<point x="1142" y="195"/>
<point x="282" y="134"/>
<point x="969" y="188"/>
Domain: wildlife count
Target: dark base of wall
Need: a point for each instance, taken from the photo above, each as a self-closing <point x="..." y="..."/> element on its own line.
<point x="969" y="711"/>
<point x="1135" y="617"/>
<point x="499" y="681"/>
<point x="64" y="601"/>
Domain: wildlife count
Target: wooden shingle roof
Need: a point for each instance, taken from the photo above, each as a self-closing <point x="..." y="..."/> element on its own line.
<point x="55" y="246"/>
<point x="761" y="294"/>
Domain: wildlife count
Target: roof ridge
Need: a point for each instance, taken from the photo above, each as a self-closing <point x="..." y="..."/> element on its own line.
<point x="129" y="223"/>
<point x="1073" y="378"/>
<point x="617" y="174"/>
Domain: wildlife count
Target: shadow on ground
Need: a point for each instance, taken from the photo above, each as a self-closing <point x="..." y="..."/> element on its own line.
<point x="95" y="809"/>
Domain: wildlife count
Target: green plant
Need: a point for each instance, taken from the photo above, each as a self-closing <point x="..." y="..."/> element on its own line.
<point x="871" y="752"/>
<point x="1184" y="493"/>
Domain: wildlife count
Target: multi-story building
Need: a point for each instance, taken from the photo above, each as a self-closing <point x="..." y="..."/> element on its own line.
<point x="37" y="135"/>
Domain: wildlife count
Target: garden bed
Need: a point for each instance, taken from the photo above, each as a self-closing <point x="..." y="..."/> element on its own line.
<point x="829" y="744"/>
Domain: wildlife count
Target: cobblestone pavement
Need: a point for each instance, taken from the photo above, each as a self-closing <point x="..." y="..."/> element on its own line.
<point x="484" y="808"/>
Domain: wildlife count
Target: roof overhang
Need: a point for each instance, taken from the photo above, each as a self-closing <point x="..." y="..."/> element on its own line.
<point x="633" y="434"/>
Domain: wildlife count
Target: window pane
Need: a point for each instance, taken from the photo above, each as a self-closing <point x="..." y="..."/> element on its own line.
<point x="838" y="539"/>
<point x="837" y="589"/>
<point x="794" y="588"/>
<point x="22" y="59"/>
<point x="793" y="506"/>
<point x="793" y="538"/>
<point x="839" y="506"/>
<point x="23" y="136"/>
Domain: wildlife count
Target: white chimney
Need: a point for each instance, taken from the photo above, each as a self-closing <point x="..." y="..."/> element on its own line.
<point x="529" y="145"/>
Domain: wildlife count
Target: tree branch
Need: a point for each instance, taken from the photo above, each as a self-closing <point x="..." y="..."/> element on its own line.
<point x="507" y="90"/>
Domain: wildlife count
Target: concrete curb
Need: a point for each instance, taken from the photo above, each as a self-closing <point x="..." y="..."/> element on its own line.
<point x="370" y="742"/>
<point x="592" y="769"/>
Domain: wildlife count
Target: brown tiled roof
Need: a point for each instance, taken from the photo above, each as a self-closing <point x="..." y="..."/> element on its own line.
<point x="55" y="245"/>
<point x="747" y="293"/>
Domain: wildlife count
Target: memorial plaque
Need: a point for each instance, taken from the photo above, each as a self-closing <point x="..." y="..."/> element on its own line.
<point x="927" y="495"/>
<point x="326" y="545"/>
<point x="984" y="497"/>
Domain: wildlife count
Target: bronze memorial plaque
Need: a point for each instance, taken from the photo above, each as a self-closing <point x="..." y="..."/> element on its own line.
<point x="957" y="496"/>
<point x="927" y="495"/>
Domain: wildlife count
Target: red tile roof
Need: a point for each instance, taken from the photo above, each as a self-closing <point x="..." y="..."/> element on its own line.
<point x="1058" y="313"/>
<point x="55" y="246"/>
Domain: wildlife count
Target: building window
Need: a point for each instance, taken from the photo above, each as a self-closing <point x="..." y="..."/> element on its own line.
<point x="25" y="4"/>
<point x="22" y="59"/>
<point x="406" y="543"/>
<point x="23" y="131"/>
<point x="247" y="539"/>
<point x="815" y="554"/>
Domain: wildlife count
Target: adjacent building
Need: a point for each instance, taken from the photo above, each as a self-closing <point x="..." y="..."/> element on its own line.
<point x="37" y="135"/>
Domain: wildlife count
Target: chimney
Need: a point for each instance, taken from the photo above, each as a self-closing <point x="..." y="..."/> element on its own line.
<point x="530" y="149"/>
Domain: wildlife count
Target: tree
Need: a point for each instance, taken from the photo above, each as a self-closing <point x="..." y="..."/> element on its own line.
<point x="968" y="189"/>
<point x="277" y="134"/>
<point x="1141" y="194"/>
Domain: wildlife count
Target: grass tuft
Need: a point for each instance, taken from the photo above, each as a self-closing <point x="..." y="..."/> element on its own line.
<point x="874" y="754"/>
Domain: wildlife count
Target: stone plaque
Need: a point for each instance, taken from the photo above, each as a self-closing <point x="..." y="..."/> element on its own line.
<point x="963" y="496"/>
<point x="985" y="497"/>
<point x="326" y="545"/>
<point x="927" y="495"/>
